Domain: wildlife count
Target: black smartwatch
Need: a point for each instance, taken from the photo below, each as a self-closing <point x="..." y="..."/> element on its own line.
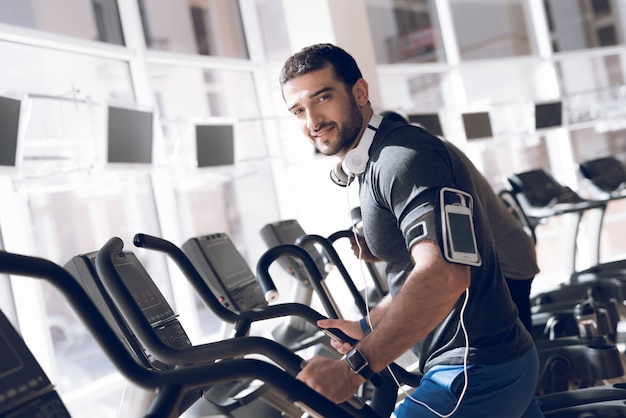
<point x="358" y="363"/>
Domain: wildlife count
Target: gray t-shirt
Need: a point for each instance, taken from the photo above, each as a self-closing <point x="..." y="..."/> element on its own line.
<point x="406" y="169"/>
<point x="515" y="248"/>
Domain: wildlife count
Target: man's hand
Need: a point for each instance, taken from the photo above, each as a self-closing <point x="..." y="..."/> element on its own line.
<point x="350" y="328"/>
<point x="361" y="249"/>
<point x="331" y="378"/>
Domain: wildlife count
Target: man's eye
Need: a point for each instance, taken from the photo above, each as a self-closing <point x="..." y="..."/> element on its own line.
<point x="323" y="98"/>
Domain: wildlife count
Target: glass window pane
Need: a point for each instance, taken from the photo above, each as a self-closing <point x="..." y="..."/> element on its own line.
<point x="504" y="81"/>
<point x="64" y="74"/>
<point x="490" y="29"/>
<point x="204" y="27"/>
<point x="405" y="31"/>
<point x="584" y="24"/>
<point x="273" y="29"/>
<point x="192" y="94"/>
<point x="75" y="214"/>
<point x="593" y="85"/>
<point x="414" y="92"/>
<point x="96" y="20"/>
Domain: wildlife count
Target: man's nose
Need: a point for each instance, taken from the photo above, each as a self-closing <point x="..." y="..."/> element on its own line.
<point x="313" y="120"/>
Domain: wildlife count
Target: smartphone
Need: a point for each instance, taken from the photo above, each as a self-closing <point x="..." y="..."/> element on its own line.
<point x="458" y="231"/>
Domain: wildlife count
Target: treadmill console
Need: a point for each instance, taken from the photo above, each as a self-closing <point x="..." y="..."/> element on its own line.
<point x="25" y="390"/>
<point x="542" y="190"/>
<point x="607" y="174"/>
<point x="287" y="232"/>
<point x="225" y="271"/>
<point x="148" y="297"/>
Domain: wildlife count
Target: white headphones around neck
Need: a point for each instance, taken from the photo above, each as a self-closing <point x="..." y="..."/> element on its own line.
<point x="356" y="159"/>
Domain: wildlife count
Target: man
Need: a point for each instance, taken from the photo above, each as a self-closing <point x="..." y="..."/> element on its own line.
<point x="514" y="246"/>
<point x="434" y="304"/>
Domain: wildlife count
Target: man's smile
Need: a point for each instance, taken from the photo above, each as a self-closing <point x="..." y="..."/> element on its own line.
<point x="322" y="135"/>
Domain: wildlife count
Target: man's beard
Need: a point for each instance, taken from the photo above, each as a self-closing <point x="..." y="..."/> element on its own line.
<point x="347" y="132"/>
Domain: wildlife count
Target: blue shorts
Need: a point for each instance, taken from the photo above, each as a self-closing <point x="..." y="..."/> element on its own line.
<point x="495" y="390"/>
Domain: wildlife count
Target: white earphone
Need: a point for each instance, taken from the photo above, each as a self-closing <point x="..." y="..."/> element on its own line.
<point x="356" y="159"/>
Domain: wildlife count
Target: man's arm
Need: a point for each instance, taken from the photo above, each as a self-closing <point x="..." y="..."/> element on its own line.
<point x="427" y="296"/>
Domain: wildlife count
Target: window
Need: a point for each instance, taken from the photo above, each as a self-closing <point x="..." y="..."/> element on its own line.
<point x="490" y="29"/>
<point x="584" y="24"/>
<point x="406" y="31"/>
<point x="96" y="20"/>
<point x="204" y="27"/>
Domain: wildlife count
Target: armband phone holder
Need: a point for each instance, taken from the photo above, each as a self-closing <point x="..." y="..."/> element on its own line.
<point x="457" y="227"/>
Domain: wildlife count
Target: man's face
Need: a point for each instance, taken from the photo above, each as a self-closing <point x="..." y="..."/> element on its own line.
<point x="326" y="113"/>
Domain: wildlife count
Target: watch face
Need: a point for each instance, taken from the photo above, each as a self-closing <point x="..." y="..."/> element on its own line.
<point x="355" y="360"/>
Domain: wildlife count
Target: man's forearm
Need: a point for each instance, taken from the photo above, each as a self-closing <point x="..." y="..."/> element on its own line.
<point x="427" y="296"/>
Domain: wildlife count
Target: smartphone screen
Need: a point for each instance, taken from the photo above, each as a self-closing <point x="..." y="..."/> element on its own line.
<point x="461" y="239"/>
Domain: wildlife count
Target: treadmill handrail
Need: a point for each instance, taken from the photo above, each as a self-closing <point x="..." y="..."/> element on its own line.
<point x="256" y="314"/>
<point x="197" y="354"/>
<point x="190" y="272"/>
<point x="242" y="318"/>
<point x="173" y="383"/>
<point x="334" y="257"/>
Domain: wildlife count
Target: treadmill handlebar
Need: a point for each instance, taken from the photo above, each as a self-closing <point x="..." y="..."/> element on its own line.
<point x="182" y="261"/>
<point x="326" y="244"/>
<point x="299" y="253"/>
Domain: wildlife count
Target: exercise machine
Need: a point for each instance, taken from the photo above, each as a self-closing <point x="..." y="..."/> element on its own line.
<point x="25" y="390"/>
<point x="170" y="386"/>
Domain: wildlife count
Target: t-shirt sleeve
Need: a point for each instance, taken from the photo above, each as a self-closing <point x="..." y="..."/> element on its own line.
<point x="409" y="184"/>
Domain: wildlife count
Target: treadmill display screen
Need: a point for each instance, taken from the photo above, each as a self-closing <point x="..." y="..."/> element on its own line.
<point x="227" y="260"/>
<point x="143" y="295"/>
<point x="10" y="362"/>
<point x="147" y="296"/>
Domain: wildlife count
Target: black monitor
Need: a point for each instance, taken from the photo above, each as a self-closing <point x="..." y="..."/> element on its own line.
<point x="477" y="125"/>
<point x="548" y="115"/>
<point x="429" y="121"/>
<point x="129" y="136"/>
<point x="25" y="390"/>
<point x="215" y="145"/>
<point x="148" y="297"/>
<point x="10" y="111"/>
<point x="287" y="232"/>
<point x="541" y="189"/>
<point x="225" y="271"/>
<point x="607" y="174"/>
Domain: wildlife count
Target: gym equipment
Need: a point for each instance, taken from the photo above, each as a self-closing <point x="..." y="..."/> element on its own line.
<point x="221" y="399"/>
<point x="607" y="177"/>
<point x="243" y="320"/>
<point x="117" y="285"/>
<point x="540" y="197"/>
<point x="607" y="174"/>
<point x="25" y="390"/>
<point x="171" y="385"/>
<point x="290" y="232"/>
<point x="536" y="196"/>
<point x="607" y="401"/>
<point x="294" y="332"/>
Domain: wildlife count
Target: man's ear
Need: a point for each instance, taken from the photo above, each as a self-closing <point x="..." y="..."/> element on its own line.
<point x="360" y="90"/>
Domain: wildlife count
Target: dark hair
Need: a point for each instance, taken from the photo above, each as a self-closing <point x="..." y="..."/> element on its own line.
<point x="316" y="57"/>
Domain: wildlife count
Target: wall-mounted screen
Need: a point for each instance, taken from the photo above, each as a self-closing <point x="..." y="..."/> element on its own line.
<point x="477" y="125"/>
<point x="215" y="145"/>
<point x="429" y="121"/>
<point x="548" y="115"/>
<point x="129" y="136"/>
<point x="10" y="110"/>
